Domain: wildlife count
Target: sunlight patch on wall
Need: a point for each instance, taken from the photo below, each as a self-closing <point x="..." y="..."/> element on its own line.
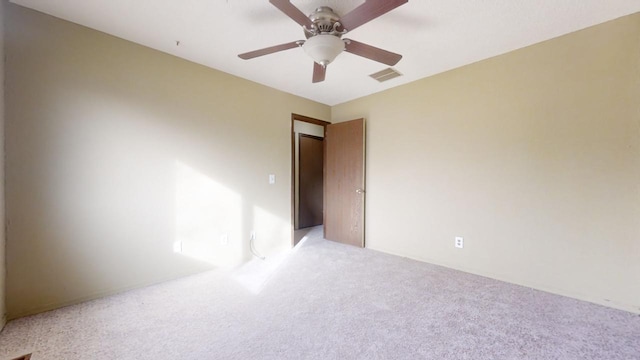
<point x="208" y="219"/>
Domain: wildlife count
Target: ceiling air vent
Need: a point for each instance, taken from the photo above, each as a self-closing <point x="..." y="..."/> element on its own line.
<point x="386" y="74"/>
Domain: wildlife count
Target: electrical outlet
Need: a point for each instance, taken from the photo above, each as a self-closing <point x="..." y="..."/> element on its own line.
<point x="459" y="242"/>
<point x="224" y="239"/>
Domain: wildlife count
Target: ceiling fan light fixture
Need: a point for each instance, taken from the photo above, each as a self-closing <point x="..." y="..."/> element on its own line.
<point x="324" y="29"/>
<point x="323" y="49"/>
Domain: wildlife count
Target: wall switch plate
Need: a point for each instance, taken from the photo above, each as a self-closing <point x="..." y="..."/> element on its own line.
<point x="252" y="235"/>
<point x="459" y="242"/>
<point x="224" y="239"/>
<point x="272" y="179"/>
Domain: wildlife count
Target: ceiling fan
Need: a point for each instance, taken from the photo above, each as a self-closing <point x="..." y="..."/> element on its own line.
<point x="324" y="30"/>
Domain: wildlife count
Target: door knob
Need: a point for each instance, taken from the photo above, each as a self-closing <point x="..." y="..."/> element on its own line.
<point x="360" y="191"/>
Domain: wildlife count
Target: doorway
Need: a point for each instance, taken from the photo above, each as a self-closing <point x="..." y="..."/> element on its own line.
<point x="343" y="174"/>
<point x="307" y="145"/>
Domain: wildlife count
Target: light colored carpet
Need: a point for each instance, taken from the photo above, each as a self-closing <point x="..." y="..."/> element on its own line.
<point x="329" y="301"/>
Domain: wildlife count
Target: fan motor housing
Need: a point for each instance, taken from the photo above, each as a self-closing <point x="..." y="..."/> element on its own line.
<point x="324" y="22"/>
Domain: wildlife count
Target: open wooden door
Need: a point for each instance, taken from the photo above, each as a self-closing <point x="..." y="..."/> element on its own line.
<point x="344" y="182"/>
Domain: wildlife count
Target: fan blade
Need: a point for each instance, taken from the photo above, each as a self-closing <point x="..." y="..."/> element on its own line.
<point x="319" y="72"/>
<point x="293" y="12"/>
<point x="270" y="50"/>
<point x="368" y="11"/>
<point x="370" y="52"/>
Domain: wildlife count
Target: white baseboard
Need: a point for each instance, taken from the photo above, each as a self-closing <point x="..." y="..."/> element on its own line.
<point x="604" y="302"/>
<point x="99" y="295"/>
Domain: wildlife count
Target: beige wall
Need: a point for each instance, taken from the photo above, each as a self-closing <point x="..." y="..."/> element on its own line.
<point x="127" y="166"/>
<point x="2" y="212"/>
<point x="533" y="157"/>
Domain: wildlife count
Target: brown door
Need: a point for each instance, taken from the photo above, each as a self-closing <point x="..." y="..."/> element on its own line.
<point x="344" y="183"/>
<point x="310" y="188"/>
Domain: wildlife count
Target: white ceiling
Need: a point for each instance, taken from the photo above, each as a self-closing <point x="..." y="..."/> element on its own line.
<point x="432" y="35"/>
